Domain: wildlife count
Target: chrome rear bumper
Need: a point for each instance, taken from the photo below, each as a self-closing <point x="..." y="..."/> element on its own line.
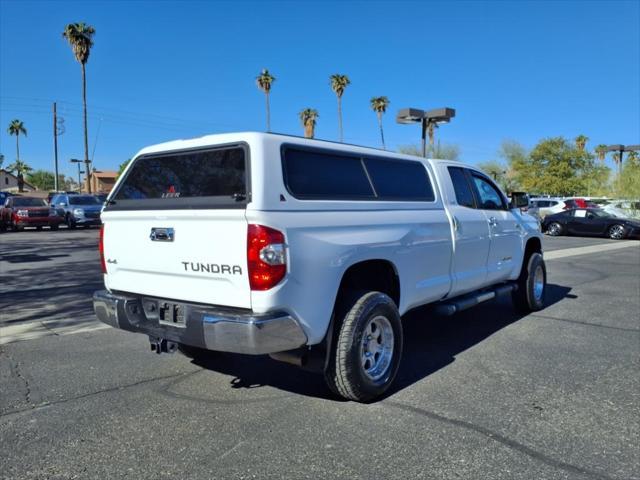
<point x="213" y="328"/>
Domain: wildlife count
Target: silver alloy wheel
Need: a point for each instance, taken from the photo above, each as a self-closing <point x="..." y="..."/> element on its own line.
<point x="616" y="232"/>
<point x="538" y="283"/>
<point x="553" y="229"/>
<point x="376" y="348"/>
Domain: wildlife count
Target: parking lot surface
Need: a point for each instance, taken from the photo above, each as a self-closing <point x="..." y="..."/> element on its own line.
<point x="484" y="394"/>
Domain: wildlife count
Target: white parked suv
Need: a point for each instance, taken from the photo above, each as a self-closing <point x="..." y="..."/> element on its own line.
<point x="307" y="250"/>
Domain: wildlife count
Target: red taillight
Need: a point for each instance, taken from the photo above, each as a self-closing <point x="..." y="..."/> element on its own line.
<point x="266" y="258"/>
<point x="103" y="265"/>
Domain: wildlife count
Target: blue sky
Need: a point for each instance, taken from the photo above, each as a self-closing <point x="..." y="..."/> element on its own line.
<point x="166" y="70"/>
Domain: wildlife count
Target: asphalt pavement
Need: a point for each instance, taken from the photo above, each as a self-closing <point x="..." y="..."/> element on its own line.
<point x="484" y="394"/>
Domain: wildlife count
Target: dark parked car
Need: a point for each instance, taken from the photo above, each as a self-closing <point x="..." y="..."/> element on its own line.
<point x="590" y="222"/>
<point x="20" y="212"/>
<point x="78" y="209"/>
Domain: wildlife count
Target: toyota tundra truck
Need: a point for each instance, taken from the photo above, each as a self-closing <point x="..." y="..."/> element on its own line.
<point x="309" y="251"/>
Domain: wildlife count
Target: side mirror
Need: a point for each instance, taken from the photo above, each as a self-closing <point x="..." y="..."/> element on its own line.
<point x="519" y="200"/>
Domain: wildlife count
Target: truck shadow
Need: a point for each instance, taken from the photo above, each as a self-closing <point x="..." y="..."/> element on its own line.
<point x="431" y="342"/>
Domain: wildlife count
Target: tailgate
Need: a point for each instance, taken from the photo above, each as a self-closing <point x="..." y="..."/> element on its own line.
<point x="190" y="255"/>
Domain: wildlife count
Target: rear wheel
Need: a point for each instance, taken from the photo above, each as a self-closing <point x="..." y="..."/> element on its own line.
<point x="616" y="232"/>
<point x="366" y="354"/>
<point x="554" y="229"/>
<point x="532" y="285"/>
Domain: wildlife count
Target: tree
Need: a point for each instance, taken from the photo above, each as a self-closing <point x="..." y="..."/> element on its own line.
<point x="379" y="105"/>
<point x="338" y="84"/>
<point x="16" y="127"/>
<point x="446" y="151"/>
<point x="601" y="152"/>
<point x="42" y="179"/>
<point x="581" y="142"/>
<point x="629" y="183"/>
<point x="122" y="166"/>
<point x="20" y="168"/>
<point x="80" y="37"/>
<point x="264" y="82"/>
<point x="554" y="167"/>
<point x="308" y="117"/>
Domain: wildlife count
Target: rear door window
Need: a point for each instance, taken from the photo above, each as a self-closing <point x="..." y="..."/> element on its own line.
<point x="188" y="179"/>
<point x="461" y="187"/>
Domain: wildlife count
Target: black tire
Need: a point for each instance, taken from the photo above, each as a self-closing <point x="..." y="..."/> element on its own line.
<point x="527" y="298"/>
<point x="70" y="223"/>
<point x="54" y="227"/>
<point x="38" y="228"/>
<point x="617" y="232"/>
<point x="16" y="228"/>
<point x="554" y="229"/>
<point x="346" y="375"/>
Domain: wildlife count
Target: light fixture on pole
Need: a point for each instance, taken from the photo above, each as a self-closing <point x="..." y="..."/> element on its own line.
<point x="425" y="118"/>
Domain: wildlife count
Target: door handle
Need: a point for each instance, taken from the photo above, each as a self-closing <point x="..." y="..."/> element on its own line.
<point x="456" y="224"/>
<point x="493" y="222"/>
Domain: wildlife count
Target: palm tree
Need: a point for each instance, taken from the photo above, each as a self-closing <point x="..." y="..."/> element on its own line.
<point x="80" y="37"/>
<point x="601" y="152"/>
<point x="308" y="117"/>
<point x="16" y="127"/>
<point x="581" y="142"/>
<point x="264" y="81"/>
<point x="617" y="159"/>
<point x="19" y="167"/>
<point x="338" y="84"/>
<point x="379" y="105"/>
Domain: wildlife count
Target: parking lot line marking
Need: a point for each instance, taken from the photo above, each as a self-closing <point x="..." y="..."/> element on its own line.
<point x="572" y="252"/>
<point x="35" y="330"/>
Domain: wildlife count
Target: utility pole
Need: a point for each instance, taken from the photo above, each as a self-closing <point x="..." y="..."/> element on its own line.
<point x="55" y="145"/>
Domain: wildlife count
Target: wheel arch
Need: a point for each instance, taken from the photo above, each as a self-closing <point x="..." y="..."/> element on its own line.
<point x="373" y="275"/>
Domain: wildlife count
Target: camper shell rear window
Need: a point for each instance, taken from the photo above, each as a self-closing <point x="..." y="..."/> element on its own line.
<point x="187" y="179"/>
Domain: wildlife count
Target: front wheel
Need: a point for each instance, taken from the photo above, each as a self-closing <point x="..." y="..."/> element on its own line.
<point x="532" y="285"/>
<point x="616" y="232"/>
<point x="70" y="222"/>
<point x="554" y="229"/>
<point x="366" y="354"/>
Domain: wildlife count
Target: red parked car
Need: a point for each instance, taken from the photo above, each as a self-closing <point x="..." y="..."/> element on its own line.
<point x="20" y="212"/>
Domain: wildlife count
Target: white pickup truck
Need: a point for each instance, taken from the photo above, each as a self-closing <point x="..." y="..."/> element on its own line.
<point x="306" y="250"/>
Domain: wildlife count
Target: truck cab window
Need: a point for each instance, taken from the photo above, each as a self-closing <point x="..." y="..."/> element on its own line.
<point x="461" y="186"/>
<point x="489" y="197"/>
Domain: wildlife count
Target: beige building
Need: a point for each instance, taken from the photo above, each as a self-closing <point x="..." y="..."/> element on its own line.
<point x="9" y="182"/>
<point x="102" y="181"/>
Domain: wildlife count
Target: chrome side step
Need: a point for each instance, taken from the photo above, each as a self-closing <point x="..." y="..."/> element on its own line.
<point x="449" y="307"/>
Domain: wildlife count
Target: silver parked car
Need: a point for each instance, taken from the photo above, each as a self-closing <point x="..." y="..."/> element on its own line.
<point x="78" y="209"/>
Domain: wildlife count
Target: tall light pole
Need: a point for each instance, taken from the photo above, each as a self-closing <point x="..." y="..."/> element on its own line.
<point x="78" y="162"/>
<point x="621" y="149"/>
<point x="427" y="119"/>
